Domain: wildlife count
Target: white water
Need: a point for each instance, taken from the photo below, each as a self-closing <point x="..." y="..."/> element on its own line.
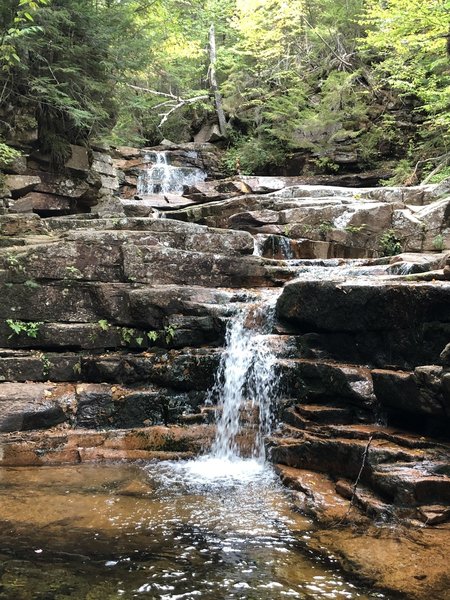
<point x="163" y="178"/>
<point x="246" y="385"/>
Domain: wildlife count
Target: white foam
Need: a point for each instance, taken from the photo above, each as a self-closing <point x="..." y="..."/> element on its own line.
<point x="210" y="469"/>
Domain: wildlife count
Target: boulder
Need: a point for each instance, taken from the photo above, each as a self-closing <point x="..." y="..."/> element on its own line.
<point x="79" y="159"/>
<point x="208" y="133"/>
<point x="445" y="356"/>
<point x="419" y="392"/>
<point x="362" y="306"/>
<point x="19" y="185"/>
<point x="103" y="164"/>
<point x="45" y="204"/>
<point x="28" y="406"/>
<point x="126" y="152"/>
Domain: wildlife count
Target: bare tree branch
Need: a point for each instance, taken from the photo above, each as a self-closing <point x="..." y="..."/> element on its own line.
<point x="173" y="103"/>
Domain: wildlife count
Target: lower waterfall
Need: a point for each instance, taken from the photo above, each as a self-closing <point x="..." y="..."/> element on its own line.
<point x="246" y="385"/>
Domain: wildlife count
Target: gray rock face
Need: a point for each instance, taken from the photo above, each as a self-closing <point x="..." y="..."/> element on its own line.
<point x="20" y="185"/>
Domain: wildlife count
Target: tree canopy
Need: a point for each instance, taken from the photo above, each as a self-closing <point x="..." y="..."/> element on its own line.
<point x="295" y="75"/>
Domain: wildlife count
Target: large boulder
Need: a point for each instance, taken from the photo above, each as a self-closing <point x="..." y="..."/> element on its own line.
<point x="19" y="185"/>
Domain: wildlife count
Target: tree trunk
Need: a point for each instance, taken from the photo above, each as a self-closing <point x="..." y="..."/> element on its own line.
<point x="213" y="82"/>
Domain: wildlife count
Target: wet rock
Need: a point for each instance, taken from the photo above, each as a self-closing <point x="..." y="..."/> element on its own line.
<point x="320" y="382"/>
<point x="434" y="514"/>
<point x="53" y="448"/>
<point x="397" y="337"/>
<point x="28" y="406"/>
<point x="418" y="392"/>
<point x="370" y="307"/>
<point x="94" y="405"/>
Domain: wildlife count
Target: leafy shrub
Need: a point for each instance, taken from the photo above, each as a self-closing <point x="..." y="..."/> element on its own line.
<point x="389" y="243"/>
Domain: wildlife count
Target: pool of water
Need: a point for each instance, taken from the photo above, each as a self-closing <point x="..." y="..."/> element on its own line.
<point x="204" y="529"/>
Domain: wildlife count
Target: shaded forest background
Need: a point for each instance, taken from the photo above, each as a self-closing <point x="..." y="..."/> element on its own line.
<point x="320" y="85"/>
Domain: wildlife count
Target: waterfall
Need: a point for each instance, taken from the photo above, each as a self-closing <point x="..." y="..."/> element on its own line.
<point x="160" y="177"/>
<point x="245" y="385"/>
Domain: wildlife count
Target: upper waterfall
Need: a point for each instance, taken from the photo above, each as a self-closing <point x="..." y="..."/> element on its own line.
<point x="161" y="177"/>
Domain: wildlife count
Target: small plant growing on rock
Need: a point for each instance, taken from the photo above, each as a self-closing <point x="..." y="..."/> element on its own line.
<point x="325" y="227"/>
<point x="72" y="271"/>
<point x="355" y="228"/>
<point x="77" y="367"/>
<point x="389" y="243"/>
<point x="46" y="364"/>
<point x="103" y="324"/>
<point x="169" y="332"/>
<point x="438" y="243"/>
<point x="126" y="334"/>
<point x="31" y="283"/>
<point x="30" y="328"/>
<point x="152" y="335"/>
<point x="14" y="263"/>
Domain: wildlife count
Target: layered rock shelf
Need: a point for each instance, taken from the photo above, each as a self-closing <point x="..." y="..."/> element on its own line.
<point x="113" y="316"/>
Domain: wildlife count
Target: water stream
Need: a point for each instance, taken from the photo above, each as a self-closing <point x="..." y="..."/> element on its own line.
<point x="161" y="177"/>
<point x="246" y="385"/>
<point x="156" y="531"/>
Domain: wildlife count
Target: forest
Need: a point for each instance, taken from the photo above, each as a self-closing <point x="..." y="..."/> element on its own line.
<point x="349" y="84"/>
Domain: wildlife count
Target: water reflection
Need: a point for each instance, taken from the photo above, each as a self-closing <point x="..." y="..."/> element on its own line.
<point x="165" y="531"/>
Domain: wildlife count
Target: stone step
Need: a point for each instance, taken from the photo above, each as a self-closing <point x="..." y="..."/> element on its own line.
<point x="327" y="382"/>
<point x="340" y="457"/>
<point x="434" y="514"/>
<point x="87" y="446"/>
<point x="365" y="499"/>
<point x="33" y="405"/>
<point x="185" y="370"/>
<point x="415" y="484"/>
<point x="326" y="414"/>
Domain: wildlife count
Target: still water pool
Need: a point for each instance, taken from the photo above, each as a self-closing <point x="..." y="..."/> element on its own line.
<point x="205" y="529"/>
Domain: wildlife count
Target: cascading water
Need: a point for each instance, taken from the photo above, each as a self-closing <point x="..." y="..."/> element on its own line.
<point x="246" y="385"/>
<point x="163" y="178"/>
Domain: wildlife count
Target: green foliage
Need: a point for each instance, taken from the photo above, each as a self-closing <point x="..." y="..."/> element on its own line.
<point x="14" y="263"/>
<point x="169" y="332"/>
<point x="326" y="165"/>
<point x="19" y="27"/>
<point x="355" y="228"/>
<point x="389" y="243"/>
<point x="72" y="271"/>
<point x="402" y="173"/>
<point x="7" y="154"/>
<point x="77" y="367"/>
<point x="295" y="76"/>
<point x="253" y="155"/>
<point x="441" y="175"/>
<point x="324" y="228"/>
<point x="438" y="243"/>
<point x="31" y="283"/>
<point x="406" y="43"/>
<point x="46" y="364"/>
<point x="126" y="335"/>
<point x="30" y="328"/>
<point x="103" y="324"/>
